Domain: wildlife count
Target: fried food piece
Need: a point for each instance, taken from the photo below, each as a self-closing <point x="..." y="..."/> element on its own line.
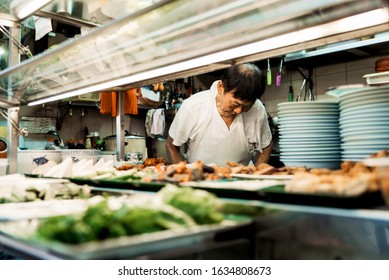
<point x="380" y="154"/>
<point x="265" y="169"/>
<point x="125" y="166"/>
<point x="154" y="161"/>
<point x="233" y="164"/>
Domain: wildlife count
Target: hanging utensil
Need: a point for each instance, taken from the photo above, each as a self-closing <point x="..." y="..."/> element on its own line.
<point x="268" y="74"/>
<point x="290" y="90"/>
<point x="279" y="75"/>
<point x="301" y="90"/>
<point x="310" y="86"/>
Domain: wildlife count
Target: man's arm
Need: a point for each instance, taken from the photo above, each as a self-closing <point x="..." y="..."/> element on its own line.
<point x="173" y="152"/>
<point x="264" y="157"/>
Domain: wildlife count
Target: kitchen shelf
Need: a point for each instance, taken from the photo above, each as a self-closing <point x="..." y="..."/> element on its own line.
<point x="168" y="35"/>
<point x="339" y="47"/>
<point x="350" y="50"/>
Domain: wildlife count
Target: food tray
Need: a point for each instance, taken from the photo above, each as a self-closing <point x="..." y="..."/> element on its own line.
<point x="234" y="188"/>
<point x="224" y="190"/>
<point x="17" y="237"/>
<point x="261" y="177"/>
<point x="278" y="194"/>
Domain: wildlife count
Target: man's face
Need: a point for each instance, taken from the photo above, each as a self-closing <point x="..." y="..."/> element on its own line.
<point x="231" y="106"/>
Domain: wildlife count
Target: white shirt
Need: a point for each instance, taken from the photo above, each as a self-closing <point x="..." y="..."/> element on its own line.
<point x="199" y="124"/>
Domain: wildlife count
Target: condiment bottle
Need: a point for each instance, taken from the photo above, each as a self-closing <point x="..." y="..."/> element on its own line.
<point x="71" y="144"/>
<point x="80" y="144"/>
<point x="88" y="143"/>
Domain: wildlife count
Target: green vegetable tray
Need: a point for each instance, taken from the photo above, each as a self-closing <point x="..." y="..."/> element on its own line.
<point x="278" y="194"/>
<point x="17" y="238"/>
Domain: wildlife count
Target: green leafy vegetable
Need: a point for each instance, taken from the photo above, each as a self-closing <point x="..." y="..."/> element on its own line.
<point x="200" y="205"/>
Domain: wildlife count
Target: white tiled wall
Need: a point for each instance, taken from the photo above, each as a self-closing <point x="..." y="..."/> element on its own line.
<point x="73" y="125"/>
<point x="323" y="78"/>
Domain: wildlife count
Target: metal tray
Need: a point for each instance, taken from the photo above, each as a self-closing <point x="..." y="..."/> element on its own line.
<point x="223" y="192"/>
<point x="17" y="237"/>
<point x="277" y="194"/>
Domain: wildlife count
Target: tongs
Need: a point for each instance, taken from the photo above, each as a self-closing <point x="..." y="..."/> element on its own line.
<point x="308" y="88"/>
<point x="301" y="90"/>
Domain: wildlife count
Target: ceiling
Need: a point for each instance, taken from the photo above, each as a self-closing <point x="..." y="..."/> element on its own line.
<point x="231" y="27"/>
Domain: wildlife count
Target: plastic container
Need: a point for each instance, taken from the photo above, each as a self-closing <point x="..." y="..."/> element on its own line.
<point x="377" y="78"/>
<point x="78" y="154"/>
<point x="28" y="160"/>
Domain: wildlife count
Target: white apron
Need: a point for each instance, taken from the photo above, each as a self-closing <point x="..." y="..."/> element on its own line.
<point x="218" y="144"/>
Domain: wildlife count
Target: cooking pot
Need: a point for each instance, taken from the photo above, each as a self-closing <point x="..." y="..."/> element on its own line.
<point x="136" y="144"/>
<point x="133" y="144"/>
<point x="111" y="143"/>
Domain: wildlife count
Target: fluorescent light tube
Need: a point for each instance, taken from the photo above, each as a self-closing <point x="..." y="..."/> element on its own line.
<point x="25" y="8"/>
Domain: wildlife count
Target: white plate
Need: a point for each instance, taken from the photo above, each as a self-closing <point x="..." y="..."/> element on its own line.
<point x="361" y="151"/>
<point x="311" y="158"/>
<point x="293" y="143"/>
<point x="374" y="92"/>
<point x="308" y="130"/>
<point x="307" y="118"/>
<point x="299" y="137"/>
<point x="365" y="121"/>
<point x="262" y="177"/>
<point x="302" y="148"/>
<point x="307" y="104"/>
<point x="309" y="114"/>
<point x="373" y="132"/>
<point x="364" y="102"/>
<point x="333" y="110"/>
<point x="316" y="148"/>
<point x="364" y="147"/>
<point x="383" y="137"/>
<point x="344" y="89"/>
<point x="364" y="107"/>
<point x="363" y="128"/>
<point x="308" y="126"/>
<point x="354" y="158"/>
<point x="326" y="153"/>
<point x="366" y="143"/>
<point x="372" y="115"/>
<point x="359" y="113"/>
<point x="368" y="90"/>
<point x="314" y="164"/>
<point x="308" y="123"/>
<point x="330" y="131"/>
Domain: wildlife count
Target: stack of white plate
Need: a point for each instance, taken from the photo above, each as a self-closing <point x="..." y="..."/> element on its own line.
<point x="309" y="134"/>
<point x="364" y="121"/>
